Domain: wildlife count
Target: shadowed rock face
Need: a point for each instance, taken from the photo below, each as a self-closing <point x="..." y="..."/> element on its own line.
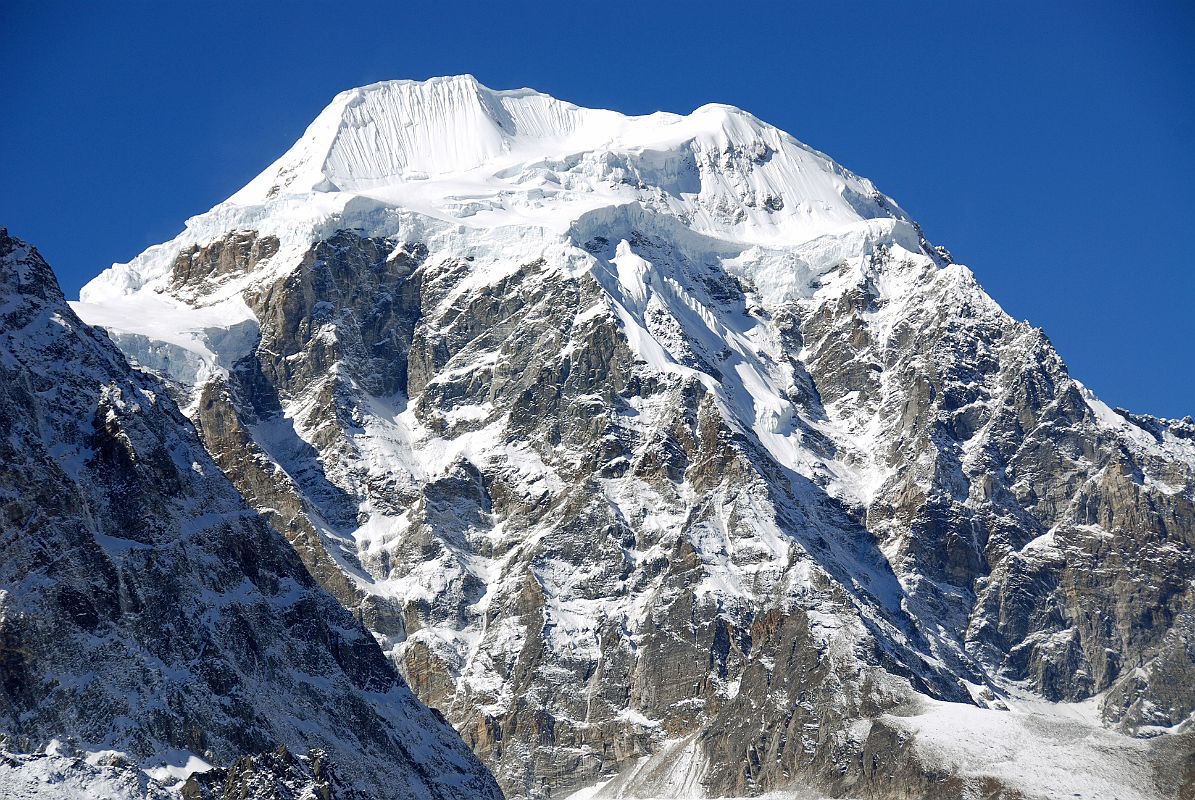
<point x="146" y="609"/>
<point x="280" y="774"/>
<point x="578" y="556"/>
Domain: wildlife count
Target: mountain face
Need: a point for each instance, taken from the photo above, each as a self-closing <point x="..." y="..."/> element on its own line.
<point x="666" y="456"/>
<point x="151" y="620"/>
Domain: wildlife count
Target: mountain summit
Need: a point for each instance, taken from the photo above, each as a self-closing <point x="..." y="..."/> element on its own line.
<point x="456" y="151"/>
<point x="446" y="142"/>
<point x="667" y="457"/>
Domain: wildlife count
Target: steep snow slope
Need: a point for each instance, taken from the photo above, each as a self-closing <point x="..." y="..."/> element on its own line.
<point x="152" y="626"/>
<point x="454" y="150"/>
<point x="620" y="432"/>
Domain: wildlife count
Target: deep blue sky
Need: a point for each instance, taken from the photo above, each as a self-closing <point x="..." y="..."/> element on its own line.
<point x="1050" y="146"/>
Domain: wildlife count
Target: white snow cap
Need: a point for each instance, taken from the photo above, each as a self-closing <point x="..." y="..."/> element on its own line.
<point x="395" y="131"/>
<point x="453" y="150"/>
<point x="398" y="131"/>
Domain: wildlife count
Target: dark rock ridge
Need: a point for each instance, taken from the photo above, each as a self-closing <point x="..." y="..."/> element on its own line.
<point x="148" y="615"/>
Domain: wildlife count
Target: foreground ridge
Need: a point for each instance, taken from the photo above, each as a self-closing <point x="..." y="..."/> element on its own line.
<point x="153" y="629"/>
<point x="667" y="456"/>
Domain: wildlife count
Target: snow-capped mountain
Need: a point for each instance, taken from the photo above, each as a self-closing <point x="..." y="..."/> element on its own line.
<point x="156" y="635"/>
<point x="664" y="454"/>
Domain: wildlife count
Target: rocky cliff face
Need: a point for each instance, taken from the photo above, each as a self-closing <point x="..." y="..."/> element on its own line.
<point x="152" y="625"/>
<point x="663" y="451"/>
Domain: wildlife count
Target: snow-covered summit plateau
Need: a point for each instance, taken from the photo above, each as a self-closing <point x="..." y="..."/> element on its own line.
<point x="667" y="457"/>
<point x="453" y="150"/>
